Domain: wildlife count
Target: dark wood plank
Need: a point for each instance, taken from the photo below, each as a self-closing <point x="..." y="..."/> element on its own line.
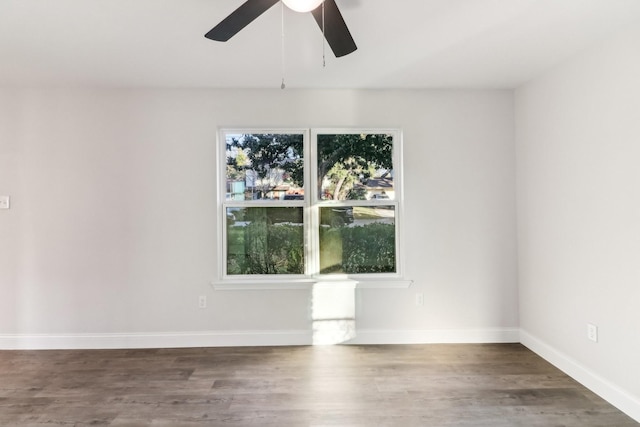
<point x="413" y="385"/>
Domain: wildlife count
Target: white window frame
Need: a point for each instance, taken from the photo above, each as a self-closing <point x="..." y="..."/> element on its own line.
<point x="311" y="205"/>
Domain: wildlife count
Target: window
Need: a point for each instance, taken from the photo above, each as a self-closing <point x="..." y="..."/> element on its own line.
<point x="297" y="204"/>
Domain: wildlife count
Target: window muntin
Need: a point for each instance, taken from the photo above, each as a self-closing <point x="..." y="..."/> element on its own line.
<point x="322" y="208"/>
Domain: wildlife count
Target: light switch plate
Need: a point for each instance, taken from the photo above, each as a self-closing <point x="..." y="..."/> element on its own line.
<point x="4" y="202"/>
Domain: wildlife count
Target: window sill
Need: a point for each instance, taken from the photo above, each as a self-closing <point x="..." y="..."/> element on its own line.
<point x="307" y="284"/>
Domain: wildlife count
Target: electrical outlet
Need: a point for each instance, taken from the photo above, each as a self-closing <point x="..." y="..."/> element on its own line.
<point x="419" y="299"/>
<point x="592" y="332"/>
<point x="202" y="301"/>
<point x="4" y="202"/>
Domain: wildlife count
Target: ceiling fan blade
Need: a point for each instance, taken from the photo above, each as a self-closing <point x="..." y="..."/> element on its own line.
<point x="335" y="29"/>
<point x="239" y="18"/>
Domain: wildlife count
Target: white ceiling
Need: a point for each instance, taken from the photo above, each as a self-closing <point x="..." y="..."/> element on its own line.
<point x="401" y="43"/>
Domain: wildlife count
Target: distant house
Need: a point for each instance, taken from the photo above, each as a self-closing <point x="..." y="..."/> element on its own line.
<point x="235" y="190"/>
<point x="380" y="188"/>
<point x="277" y="192"/>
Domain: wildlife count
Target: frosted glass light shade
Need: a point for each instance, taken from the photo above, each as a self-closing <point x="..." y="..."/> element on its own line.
<point x="302" y="5"/>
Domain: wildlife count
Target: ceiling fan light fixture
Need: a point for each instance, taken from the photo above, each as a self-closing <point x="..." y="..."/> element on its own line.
<point x="302" y="5"/>
<point x="325" y="13"/>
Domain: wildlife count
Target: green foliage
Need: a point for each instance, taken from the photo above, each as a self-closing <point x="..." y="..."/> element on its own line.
<point x="357" y="193"/>
<point x="347" y="159"/>
<point x="262" y="248"/>
<point x="365" y="249"/>
<point x="361" y="149"/>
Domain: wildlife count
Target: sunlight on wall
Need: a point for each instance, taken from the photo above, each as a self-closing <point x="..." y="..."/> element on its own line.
<point x="333" y="311"/>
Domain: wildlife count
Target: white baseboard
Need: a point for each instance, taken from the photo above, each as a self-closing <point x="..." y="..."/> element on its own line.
<point x="437" y="336"/>
<point x="155" y="340"/>
<point x="245" y="338"/>
<point x="613" y="394"/>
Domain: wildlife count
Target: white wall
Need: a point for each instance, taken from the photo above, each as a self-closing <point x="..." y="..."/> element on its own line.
<point x="578" y="151"/>
<point x="113" y="228"/>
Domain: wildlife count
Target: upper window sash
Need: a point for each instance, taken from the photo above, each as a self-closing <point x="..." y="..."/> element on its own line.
<point x="382" y="185"/>
<point x="256" y="170"/>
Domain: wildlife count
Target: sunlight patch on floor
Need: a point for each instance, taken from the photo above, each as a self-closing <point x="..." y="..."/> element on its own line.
<point x="333" y="312"/>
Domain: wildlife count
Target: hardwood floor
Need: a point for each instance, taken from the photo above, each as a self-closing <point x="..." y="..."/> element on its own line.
<point x="401" y="385"/>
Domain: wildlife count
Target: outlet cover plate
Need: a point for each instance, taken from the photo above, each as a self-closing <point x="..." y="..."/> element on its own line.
<point x="4" y="202"/>
<point x="202" y="301"/>
<point x="592" y="332"/>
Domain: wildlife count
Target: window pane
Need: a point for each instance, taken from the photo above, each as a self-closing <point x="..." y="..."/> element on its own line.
<point x="355" y="167"/>
<point x="265" y="240"/>
<point x="367" y="244"/>
<point x="264" y="167"/>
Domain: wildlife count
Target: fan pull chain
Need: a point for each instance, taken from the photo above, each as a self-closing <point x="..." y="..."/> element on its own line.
<point x="324" y="39"/>
<point x="282" y="85"/>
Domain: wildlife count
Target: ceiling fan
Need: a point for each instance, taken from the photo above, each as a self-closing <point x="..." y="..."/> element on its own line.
<point x="330" y="21"/>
